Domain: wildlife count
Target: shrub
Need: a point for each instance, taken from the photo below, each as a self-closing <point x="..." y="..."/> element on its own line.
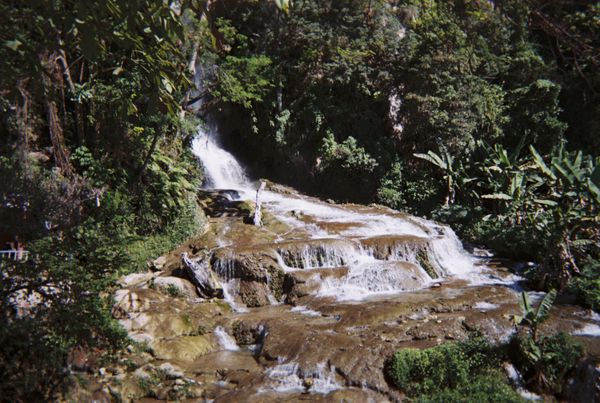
<point x="143" y="248"/>
<point x="447" y="366"/>
<point x="488" y="388"/>
<point x="544" y="364"/>
<point x="401" y="191"/>
<point x="587" y="285"/>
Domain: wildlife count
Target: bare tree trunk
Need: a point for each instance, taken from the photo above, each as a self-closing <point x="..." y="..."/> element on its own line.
<point x="24" y="124"/>
<point x="79" y="119"/>
<point x="257" y="209"/>
<point x="52" y="78"/>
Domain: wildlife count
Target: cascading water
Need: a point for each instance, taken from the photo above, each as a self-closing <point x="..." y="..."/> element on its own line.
<point x="433" y="250"/>
<point x="223" y="170"/>
<point x="288" y="377"/>
<point x="225" y="340"/>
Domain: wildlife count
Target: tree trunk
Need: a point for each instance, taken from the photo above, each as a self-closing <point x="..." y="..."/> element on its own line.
<point x="24" y="124"/>
<point x="53" y="82"/>
<point x="61" y="154"/>
<point x="79" y="119"/>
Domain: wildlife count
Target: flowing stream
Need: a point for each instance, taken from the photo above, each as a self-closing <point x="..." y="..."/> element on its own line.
<point x="350" y="236"/>
<point x="323" y="293"/>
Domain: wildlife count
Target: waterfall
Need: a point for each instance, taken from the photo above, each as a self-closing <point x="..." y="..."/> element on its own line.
<point x="383" y="251"/>
<point x="289" y="377"/>
<point x="225" y="340"/>
<point x="222" y="169"/>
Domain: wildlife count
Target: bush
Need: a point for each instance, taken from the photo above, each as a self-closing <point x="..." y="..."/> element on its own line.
<point x="587" y="285"/>
<point x="66" y="279"/>
<point x="143" y="248"/>
<point x="450" y="366"/>
<point x="348" y="166"/>
<point x="72" y="275"/>
<point x="545" y="363"/>
<point x="515" y="242"/>
<point x="401" y="191"/>
<point x="489" y="388"/>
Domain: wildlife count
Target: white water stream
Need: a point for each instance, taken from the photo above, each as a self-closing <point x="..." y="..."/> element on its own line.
<point x="368" y="274"/>
<point x="289" y="378"/>
<point x="225" y="340"/>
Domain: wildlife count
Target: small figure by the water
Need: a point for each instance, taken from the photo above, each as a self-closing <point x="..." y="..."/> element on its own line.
<point x="13" y="248"/>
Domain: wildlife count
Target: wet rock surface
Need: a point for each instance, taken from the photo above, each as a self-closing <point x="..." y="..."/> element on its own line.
<point x="281" y="337"/>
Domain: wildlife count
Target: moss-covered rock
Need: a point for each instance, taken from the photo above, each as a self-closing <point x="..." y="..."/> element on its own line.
<point x="183" y="349"/>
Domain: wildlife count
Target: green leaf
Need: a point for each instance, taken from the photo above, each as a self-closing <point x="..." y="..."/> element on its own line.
<point x="497" y="196"/>
<point x="543" y="309"/>
<point x="283" y="5"/>
<point x="524" y="303"/>
<point x="539" y="161"/>
<point x="13" y="45"/>
<point x="563" y="172"/>
<point x="545" y="202"/>
<point x="595" y="177"/>
<point x="583" y="242"/>
<point x="433" y="158"/>
<point x="594" y="190"/>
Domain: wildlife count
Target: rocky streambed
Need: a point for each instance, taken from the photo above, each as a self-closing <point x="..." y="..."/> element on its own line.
<point x="309" y="306"/>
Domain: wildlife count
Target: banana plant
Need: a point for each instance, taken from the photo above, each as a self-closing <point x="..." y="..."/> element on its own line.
<point x="283" y="5"/>
<point x="572" y="175"/>
<point x="574" y="200"/>
<point x="532" y="347"/>
<point x="532" y="317"/>
<point x="446" y="162"/>
<point x="507" y="182"/>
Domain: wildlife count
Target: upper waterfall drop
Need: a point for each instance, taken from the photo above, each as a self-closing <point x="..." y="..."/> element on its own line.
<point x="222" y="169"/>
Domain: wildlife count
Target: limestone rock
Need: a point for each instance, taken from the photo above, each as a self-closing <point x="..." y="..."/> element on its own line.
<point x="175" y="286"/>
<point x="203" y="278"/>
<point x="78" y="359"/>
<point x="158" y="264"/>
<point x="257" y="270"/>
<point x="171" y="371"/>
<point x="254" y="294"/>
<point x="144" y="372"/>
<point x="135" y="279"/>
<point x="141" y="338"/>
<point x="183" y="349"/>
<point x="128" y="301"/>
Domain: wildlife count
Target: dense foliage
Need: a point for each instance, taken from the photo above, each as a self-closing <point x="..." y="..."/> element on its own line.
<point x="462" y="372"/>
<point x="470" y="112"/>
<point x="97" y="176"/>
<point x="481" y="114"/>
<point x="543" y="360"/>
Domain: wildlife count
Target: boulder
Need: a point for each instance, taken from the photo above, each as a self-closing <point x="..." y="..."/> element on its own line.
<point x="256" y="269"/>
<point x="254" y="294"/>
<point x="171" y="371"/>
<point x="203" y="278"/>
<point x="135" y="279"/>
<point x="158" y="264"/>
<point x="77" y="359"/>
<point x="175" y="286"/>
<point x="183" y="349"/>
<point x="128" y="301"/>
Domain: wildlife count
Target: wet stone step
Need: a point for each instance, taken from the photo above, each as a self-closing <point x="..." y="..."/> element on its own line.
<point x="316" y="253"/>
<point x="394" y="247"/>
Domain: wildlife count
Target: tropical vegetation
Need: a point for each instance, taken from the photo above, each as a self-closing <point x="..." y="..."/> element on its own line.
<point x="97" y="176"/>
<point x="480" y="114"/>
<point x="484" y="115"/>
